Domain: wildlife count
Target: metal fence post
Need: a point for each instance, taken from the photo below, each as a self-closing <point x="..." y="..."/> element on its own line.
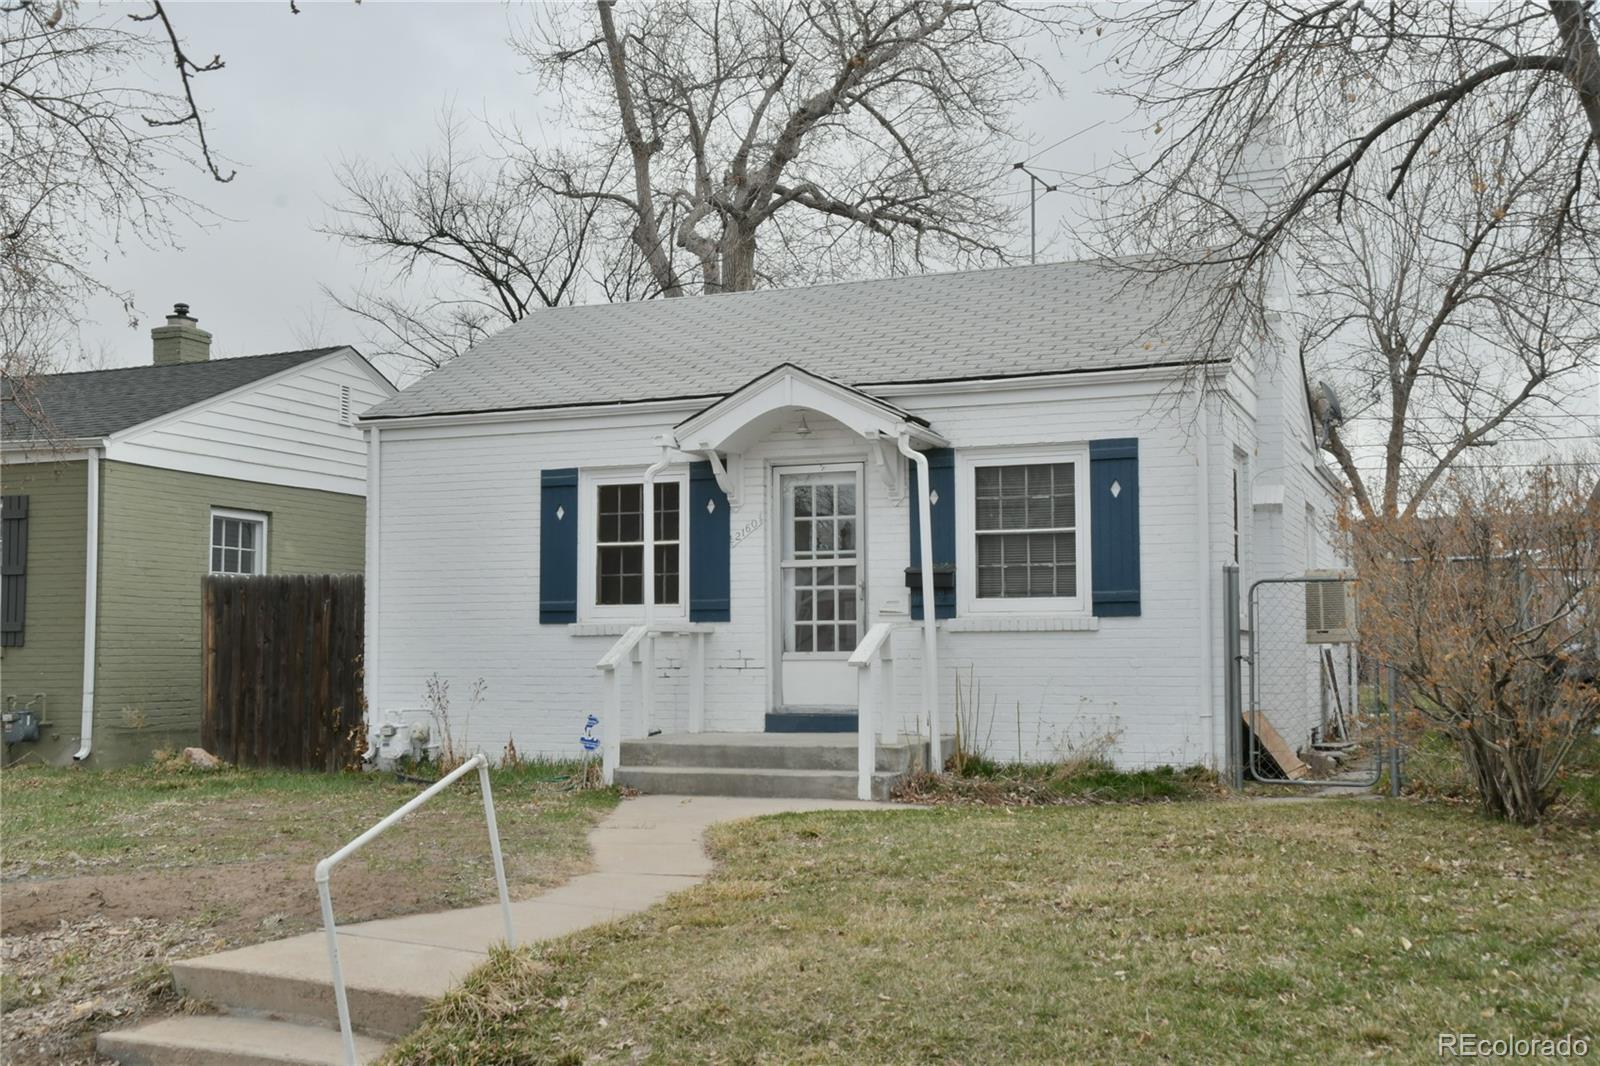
<point x="1394" y="734"/>
<point x="1233" y="703"/>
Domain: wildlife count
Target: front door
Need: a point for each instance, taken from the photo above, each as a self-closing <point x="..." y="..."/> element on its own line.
<point x="822" y="582"/>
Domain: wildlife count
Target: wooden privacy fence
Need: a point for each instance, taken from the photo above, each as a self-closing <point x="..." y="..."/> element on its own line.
<point x="282" y="665"/>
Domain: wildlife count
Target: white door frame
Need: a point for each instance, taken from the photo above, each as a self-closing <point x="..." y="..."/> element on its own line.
<point x="777" y="611"/>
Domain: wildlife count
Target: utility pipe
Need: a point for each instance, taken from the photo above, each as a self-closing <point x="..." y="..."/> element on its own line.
<point x="648" y="535"/>
<point x="1203" y="568"/>
<point x="91" y="593"/>
<point x="930" y="631"/>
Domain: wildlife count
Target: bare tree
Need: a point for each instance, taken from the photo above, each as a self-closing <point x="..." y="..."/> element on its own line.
<point x="85" y="166"/>
<point x="1341" y="94"/>
<point x="1447" y="325"/>
<point x="1426" y="172"/>
<point x="480" y="229"/>
<point x="794" y="141"/>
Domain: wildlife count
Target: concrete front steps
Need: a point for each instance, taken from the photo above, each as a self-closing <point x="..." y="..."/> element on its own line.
<point x="202" y="1039"/>
<point x="278" y="1006"/>
<point x="796" y="765"/>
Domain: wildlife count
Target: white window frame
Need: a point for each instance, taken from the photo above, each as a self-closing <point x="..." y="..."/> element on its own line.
<point x="258" y="517"/>
<point x="589" y="483"/>
<point x="967" y="462"/>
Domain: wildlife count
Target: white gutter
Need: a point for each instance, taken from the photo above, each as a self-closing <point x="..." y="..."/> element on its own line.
<point x="930" y="631"/>
<point x="91" y="593"/>
<point x="1203" y="568"/>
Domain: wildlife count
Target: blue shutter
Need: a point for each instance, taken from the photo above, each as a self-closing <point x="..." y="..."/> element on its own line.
<point x="558" y="546"/>
<point x="942" y="478"/>
<point x="708" y="546"/>
<point x="1114" y="526"/>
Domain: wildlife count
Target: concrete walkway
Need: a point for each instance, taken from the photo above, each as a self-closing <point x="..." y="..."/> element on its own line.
<point x="278" y="996"/>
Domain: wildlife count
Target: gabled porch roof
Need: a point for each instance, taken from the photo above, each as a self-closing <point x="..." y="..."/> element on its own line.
<point x="756" y="408"/>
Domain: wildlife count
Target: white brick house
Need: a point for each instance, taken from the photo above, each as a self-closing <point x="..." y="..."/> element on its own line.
<point x="1081" y="510"/>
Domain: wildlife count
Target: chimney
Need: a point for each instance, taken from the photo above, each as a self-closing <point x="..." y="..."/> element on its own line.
<point x="180" y="340"/>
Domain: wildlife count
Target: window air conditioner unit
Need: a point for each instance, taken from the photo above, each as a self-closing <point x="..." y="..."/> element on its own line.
<point x="1330" y="607"/>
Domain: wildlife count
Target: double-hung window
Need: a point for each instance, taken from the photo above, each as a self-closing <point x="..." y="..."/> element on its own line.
<point x="619" y="540"/>
<point x="1025" y="538"/>
<point x="238" y="542"/>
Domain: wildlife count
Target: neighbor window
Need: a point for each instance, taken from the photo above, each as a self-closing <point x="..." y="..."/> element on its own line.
<point x="1026" y="531"/>
<point x="238" y="543"/>
<point x="620" y="543"/>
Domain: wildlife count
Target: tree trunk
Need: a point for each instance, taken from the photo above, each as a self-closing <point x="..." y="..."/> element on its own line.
<point x="738" y="258"/>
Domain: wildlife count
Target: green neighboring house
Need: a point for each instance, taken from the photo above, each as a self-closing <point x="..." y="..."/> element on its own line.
<point x="122" y="488"/>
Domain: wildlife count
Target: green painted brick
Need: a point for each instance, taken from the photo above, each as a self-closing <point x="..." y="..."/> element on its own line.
<point x="50" y="660"/>
<point x="155" y="528"/>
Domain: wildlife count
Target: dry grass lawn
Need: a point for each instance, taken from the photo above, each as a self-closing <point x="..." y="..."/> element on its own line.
<point x="1333" y="931"/>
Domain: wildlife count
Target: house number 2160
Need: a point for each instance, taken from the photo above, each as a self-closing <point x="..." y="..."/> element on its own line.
<point x="744" y="532"/>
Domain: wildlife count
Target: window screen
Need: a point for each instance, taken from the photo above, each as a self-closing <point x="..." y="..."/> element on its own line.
<point x="1027" y="530"/>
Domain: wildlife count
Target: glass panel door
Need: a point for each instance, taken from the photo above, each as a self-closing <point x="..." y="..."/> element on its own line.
<point x="823" y="581"/>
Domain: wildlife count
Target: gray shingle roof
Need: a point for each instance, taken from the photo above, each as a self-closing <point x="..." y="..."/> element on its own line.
<point x="97" y="403"/>
<point x="1051" y="318"/>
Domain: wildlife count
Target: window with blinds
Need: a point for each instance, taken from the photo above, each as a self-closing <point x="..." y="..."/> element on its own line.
<point x="1026" y="525"/>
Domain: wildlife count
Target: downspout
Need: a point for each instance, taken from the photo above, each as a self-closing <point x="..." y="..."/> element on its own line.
<point x="930" y="631"/>
<point x="1203" y="569"/>
<point x="647" y="697"/>
<point x="371" y="564"/>
<point x="91" y="594"/>
<point x="649" y="536"/>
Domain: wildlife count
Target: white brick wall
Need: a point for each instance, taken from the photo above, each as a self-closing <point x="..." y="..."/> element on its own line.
<point x="456" y="576"/>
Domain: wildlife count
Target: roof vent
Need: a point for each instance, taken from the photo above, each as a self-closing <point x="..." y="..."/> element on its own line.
<point x="180" y="340"/>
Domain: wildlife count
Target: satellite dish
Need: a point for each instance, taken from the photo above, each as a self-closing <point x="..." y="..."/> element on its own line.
<point x="1326" y="412"/>
<point x="1332" y="411"/>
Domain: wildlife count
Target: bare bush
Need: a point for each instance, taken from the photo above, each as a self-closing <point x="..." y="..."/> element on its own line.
<point x="1488" y="610"/>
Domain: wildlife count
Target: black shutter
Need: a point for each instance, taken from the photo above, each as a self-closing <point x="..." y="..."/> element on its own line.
<point x="708" y="546"/>
<point x="942" y="480"/>
<point x="13" y="569"/>
<point x="1114" y="523"/>
<point x="558" y="546"/>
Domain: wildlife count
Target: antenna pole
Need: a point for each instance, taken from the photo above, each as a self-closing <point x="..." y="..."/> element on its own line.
<point x="1035" y="182"/>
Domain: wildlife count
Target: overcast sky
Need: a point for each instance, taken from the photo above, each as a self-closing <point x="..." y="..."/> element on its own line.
<point x="341" y="80"/>
<point x="367" y="81"/>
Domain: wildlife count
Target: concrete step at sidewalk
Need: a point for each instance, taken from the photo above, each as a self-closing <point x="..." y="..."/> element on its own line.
<point x="714" y="781"/>
<point x="228" y="1040"/>
<point x="388" y="983"/>
<point x="762" y="751"/>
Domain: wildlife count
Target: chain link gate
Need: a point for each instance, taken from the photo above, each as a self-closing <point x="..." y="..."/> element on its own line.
<point x="1295" y="715"/>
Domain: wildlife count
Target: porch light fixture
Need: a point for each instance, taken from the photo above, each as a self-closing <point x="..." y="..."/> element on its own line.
<point x="804" y="430"/>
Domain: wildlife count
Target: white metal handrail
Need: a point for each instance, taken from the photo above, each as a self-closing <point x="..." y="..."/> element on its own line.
<point x="638" y="644"/>
<point x="325" y="871"/>
<point x="873" y="658"/>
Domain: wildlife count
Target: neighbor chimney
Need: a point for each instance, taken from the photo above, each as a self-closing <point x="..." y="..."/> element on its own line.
<point x="180" y="340"/>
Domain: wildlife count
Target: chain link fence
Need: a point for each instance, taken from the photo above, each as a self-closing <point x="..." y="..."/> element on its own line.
<point x="1299" y="713"/>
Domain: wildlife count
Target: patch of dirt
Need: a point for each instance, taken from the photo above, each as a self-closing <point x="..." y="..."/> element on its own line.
<point x="234" y="900"/>
<point x="65" y="984"/>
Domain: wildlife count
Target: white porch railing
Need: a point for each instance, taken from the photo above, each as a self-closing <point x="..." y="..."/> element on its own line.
<point x="325" y="870"/>
<point x="637" y="645"/>
<point x="874" y="662"/>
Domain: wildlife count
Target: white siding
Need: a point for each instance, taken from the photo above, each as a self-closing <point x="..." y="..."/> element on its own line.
<point x="458" y="558"/>
<point x="284" y="430"/>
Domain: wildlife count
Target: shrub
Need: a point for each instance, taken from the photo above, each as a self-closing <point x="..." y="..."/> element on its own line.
<point x="1488" y="611"/>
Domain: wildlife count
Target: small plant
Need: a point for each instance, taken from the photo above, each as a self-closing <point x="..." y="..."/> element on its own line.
<point x="453" y="749"/>
<point x="970" y="751"/>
